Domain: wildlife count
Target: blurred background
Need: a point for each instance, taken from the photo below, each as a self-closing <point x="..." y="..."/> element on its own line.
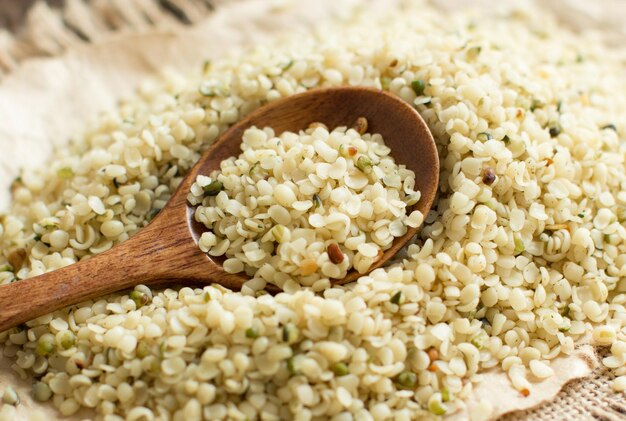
<point x="31" y="28"/>
<point x="13" y="13"/>
<point x="36" y="28"/>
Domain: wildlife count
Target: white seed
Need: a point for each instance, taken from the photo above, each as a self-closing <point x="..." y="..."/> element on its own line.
<point x="284" y="195"/>
<point x="96" y="205"/>
<point x="112" y="228"/>
<point x="540" y="369"/>
<point x="619" y="384"/>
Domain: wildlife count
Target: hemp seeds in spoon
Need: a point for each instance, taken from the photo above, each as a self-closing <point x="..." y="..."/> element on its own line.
<point x="305" y="208"/>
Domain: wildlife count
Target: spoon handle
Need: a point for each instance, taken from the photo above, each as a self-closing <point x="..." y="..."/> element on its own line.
<point x="160" y="251"/>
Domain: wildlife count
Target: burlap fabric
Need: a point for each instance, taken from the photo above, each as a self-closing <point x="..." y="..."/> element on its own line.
<point x="47" y="30"/>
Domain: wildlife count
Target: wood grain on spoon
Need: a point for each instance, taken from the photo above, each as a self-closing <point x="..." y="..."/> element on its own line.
<point x="167" y="250"/>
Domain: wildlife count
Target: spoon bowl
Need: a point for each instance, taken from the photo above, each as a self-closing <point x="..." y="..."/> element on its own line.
<point x="166" y="250"/>
<point x="402" y="128"/>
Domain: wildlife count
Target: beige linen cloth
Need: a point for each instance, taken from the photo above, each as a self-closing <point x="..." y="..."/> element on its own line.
<point x="46" y="100"/>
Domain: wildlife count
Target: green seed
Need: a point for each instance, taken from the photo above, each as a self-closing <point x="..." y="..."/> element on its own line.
<point x="445" y="394"/>
<point x="412" y="354"/>
<point x="287" y="66"/>
<point x="6" y="268"/>
<point x="252" y="333"/>
<point x="479" y="340"/>
<point x="473" y="52"/>
<point x="555" y="130"/>
<point x="335" y="334"/>
<point x="291" y="366"/>
<point x="206" y="90"/>
<point x="610" y="127"/>
<point x="535" y="104"/>
<point x="317" y="202"/>
<point x="154" y="212"/>
<point x="412" y="199"/>
<point x="254" y="169"/>
<point x="418" y="86"/>
<point x="153" y="365"/>
<point x="364" y="163"/>
<point x="139" y="298"/>
<point x="559" y="106"/>
<point x="281" y="233"/>
<point x="207" y="297"/>
<point x="436" y="407"/>
<point x="66" y="339"/>
<point x="290" y="333"/>
<point x="65" y="173"/>
<point x="213" y="188"/>
<point x="143" y="349"/>
<point x="396" y="298"/>
<point x="385" y="81"/>
<point x="10" y="396"/>
<point x="340" y="369"/>
<point x="484" y="136"/>
<point x="519" y="246"/>
<point x="45" y="345"/>
<point x="407" y="379"/>
<point x="41" y="392"/>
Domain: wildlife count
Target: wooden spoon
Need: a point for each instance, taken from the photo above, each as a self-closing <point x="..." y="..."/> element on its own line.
<point x="167" y="248"/>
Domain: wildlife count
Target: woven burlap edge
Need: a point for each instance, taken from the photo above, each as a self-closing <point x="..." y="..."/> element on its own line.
<point x="589" y="398"/>
<point x="49" y="31"/>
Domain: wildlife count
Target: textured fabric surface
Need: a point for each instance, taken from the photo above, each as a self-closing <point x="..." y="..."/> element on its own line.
<point x="50" y="30"/>
<point x="587" y="399"/>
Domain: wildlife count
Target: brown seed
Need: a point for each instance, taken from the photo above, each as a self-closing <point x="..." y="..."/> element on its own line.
<point x="307" y="267"/>
<point x="549" y="162"/>
<point x="334" y="253"/>
<point x="80" y="364"/>
<point x="525" y="392"/>
<point x="16" y="258"/>
<point x="433" y="354"/>
<point x="360" y="125"/>
<point x="393" y="63"/>
<point x="433" y="368"/>
<point x="315" y="125"/>
<point x="15" y="184"/>
<point x="489" y="176"/>
<point x="556" y="227"/>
